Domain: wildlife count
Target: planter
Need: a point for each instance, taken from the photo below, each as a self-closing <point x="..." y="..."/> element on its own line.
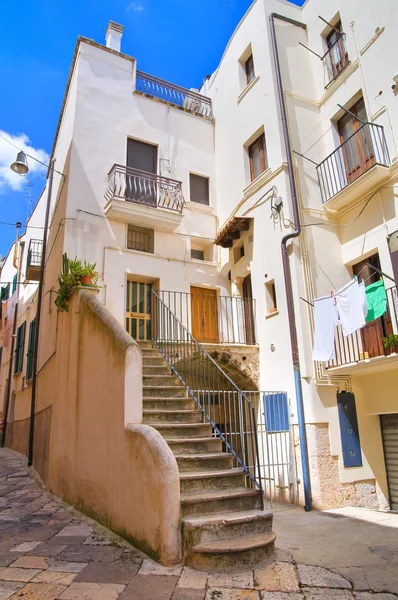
<point x="86" y="280"/>
<point x="387" y="351"/>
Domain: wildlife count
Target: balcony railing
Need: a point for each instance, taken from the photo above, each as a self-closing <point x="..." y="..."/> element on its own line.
<point x="214" y="319"/>
<point x="355" y="156"/>
<point x="368" y="342"/>
<point x="335" y="60"/>
<point x="173" y="94"/>
<point x="33" y="263"/>
<point x="144" y="188"/>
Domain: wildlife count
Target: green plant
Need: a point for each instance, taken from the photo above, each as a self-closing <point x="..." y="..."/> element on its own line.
<point x="390" y="341"/>
<point x="72" y="272"/>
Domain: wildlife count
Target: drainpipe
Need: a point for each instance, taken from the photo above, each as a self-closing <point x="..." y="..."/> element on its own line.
<point x="286" y="264"/>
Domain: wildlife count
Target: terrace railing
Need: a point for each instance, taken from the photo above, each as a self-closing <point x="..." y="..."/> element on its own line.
<point x="149" y="189"/>
<point x="335" y="59"/>
<point x="360" y="152"/>
<point x="33" y="262"/>
<point x="173" y="94"/>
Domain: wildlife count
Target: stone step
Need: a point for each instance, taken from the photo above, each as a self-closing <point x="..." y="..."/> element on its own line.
<point x="190" y="431"/>
<point x="160" y="380"/>
<point x="197" y="481"/>
<point x="204" y="461"/>
<point x="153" y="360"/>
<point x="143" y="344"/>
<point x="160" y="369"/>
<point x="234" y="554"/>
<point x="157" y="391"/>
<point x="154" y="417"/>
<point x="209" y="528"/>
<point x="211" y="502"/>
<point x="168" y="403"/>
<point x="194" y="446"/>
<point x="151" y="352"/>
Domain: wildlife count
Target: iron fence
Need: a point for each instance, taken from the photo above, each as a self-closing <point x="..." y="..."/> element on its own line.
<point x="355" y="156"/>
<point x="228" y="409"/>
<point x="149" y="189"/>
<point x="35" y="252"/>
<point x="370" y="341"/>
<point x="212" y="318"/>
<point x="173" y="94"/>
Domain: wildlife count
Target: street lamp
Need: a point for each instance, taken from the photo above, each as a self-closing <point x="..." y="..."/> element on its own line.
<point x="21" y="167"/>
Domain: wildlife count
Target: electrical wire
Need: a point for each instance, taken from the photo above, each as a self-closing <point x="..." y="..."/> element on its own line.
<point x="30" y="156"/>
<point x="23" y="226"/>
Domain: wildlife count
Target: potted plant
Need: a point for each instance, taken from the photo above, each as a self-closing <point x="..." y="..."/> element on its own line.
<point x="74" y="273"/>
<point x="386" y="346"/>
<point x="390" y="343"/>
<point x="89" y="275"/>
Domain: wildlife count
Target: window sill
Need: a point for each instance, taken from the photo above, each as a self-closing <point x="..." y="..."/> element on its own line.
<point x="201" y="207"/>
<point x="257" y="183"/>
<point x="272" y="314"/>
<point x="196" y="261"/>
<point x="248" y="88"/>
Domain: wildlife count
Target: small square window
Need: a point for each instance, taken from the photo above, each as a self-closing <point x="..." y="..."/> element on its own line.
<point x="249" y="69"/>
<point x="257" y="157"/>
<point x="199" y="189"/>
<point x="140" y="238"/>
<point x="239" y="253"/>
<point x="270" y="298"/>
<point x="197" y="254"/>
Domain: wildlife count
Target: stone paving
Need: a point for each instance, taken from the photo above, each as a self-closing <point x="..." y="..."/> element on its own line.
<point x="49" y="551"/>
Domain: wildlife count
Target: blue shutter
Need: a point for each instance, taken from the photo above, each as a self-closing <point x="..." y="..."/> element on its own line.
<point x="14" y="283"/>
<point x="349" y="431"/>
<point x="18" y="364"/>
<point x="276" y="411"/>
<point x="30" y="353"/>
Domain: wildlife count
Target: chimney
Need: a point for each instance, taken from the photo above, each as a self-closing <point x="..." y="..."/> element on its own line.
<point x="113" y="35"/>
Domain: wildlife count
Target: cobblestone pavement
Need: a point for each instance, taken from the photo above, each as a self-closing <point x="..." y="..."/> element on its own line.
<point x="49" y="551"/>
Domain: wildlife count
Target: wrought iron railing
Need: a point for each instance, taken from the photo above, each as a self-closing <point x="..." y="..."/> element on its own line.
<point x="222" y="403"/>
<point x="335" y="59"/>
<point x="149" y="189"/>
<point x="173" y="94"/>
<point x="35" y="252"/>
<point x="370" y="341"/>
<point x="355" y="156"/>
<point x="214" y="319"/>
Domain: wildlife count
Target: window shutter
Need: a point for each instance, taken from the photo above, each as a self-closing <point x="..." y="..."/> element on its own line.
<point x="19" y="348"/>
<point x="199" y="189"/>
<point x="30" y="352"/>
<point x="14" y="283"/>
<point x="349" y="431"/>
<point x="276" y="411"/>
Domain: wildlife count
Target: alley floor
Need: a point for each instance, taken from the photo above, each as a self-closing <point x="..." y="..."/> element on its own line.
<point x="49" y="551"/>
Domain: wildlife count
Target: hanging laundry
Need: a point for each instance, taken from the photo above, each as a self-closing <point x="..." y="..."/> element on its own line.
<point x="350" y="305"/>
<point x="363" y="299"/>
<point x="376" y="299"/>
<point x="324" y="321"/>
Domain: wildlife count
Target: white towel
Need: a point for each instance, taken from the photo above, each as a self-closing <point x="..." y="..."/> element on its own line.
<point x="363" y="299"/>
<point x="350" y="304"/>
<point x="324" y="320"/>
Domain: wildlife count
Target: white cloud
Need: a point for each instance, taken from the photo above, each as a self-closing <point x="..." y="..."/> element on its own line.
<point x="8" y="154"/>
<point x="135" y="6"/>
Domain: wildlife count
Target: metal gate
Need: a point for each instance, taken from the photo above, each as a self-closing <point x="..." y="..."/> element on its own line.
<point x="275" y="440"/>
<point x="389" y="430"/>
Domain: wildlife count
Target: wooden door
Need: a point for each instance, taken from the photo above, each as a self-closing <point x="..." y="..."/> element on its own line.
<point x="141" y="157"/>
<point x="357" y="146"/>
<point x="139" y="310"/>
<point x="204" y="315"/>
<point x="248" y="310"/>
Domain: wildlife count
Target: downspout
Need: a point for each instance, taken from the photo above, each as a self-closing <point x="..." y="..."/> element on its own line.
<point x="286" y="264"/>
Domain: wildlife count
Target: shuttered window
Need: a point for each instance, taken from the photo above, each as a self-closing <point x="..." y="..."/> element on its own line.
<point x="14" y="283"/>
<point x="276" y="411"/>
<point x="30" y="352"/>
<point x="249" y="68"/>
<point x="199" y="189"/>
<point x="257" y="157"/>
<point x="140" y="238"/>
<point x="19" y="349"/>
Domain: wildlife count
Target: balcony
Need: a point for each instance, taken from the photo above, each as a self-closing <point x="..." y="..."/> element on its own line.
<point x="335" y="60"/>
<point x="33" y="263"/>
<point x="147" y="198"/>
<point x="356" y="167"/>
<point x="364" y="351"/>
<point x="152" y="87"/>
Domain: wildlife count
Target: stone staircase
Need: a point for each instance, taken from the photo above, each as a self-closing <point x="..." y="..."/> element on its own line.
<point x="222" y="526"/>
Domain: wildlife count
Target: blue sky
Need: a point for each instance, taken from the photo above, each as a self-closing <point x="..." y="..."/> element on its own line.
<point x="176" y="40"/>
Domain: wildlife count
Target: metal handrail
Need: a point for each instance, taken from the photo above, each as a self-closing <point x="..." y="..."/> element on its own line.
<point x="35" y="252"/>
<point x="200" y="373"/>
<point x="332" y="69"/>
<point x="227" y="319"/>
<point x="173" y="94"/>
<point x="146" y="188"/>
<point x="346" y="163"/>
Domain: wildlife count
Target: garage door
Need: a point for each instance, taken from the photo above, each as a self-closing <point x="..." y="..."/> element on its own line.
<point x="389" y="429"/>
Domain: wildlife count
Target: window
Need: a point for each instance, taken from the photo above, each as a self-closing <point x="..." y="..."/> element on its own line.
<point x="199" y="189"/>
<point x="140" y="238"/>
<point x="19" y="348"/>
<point x="257" y="157"/>
<point x="249" y="68"/>
<point x="197" y="254"/>
<point x="270" y="298"/>
<point x="14" y="283"/>
<point x="336" y="56"/>
<point x="30" y="353"/>
<point x="239" y="253"/>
